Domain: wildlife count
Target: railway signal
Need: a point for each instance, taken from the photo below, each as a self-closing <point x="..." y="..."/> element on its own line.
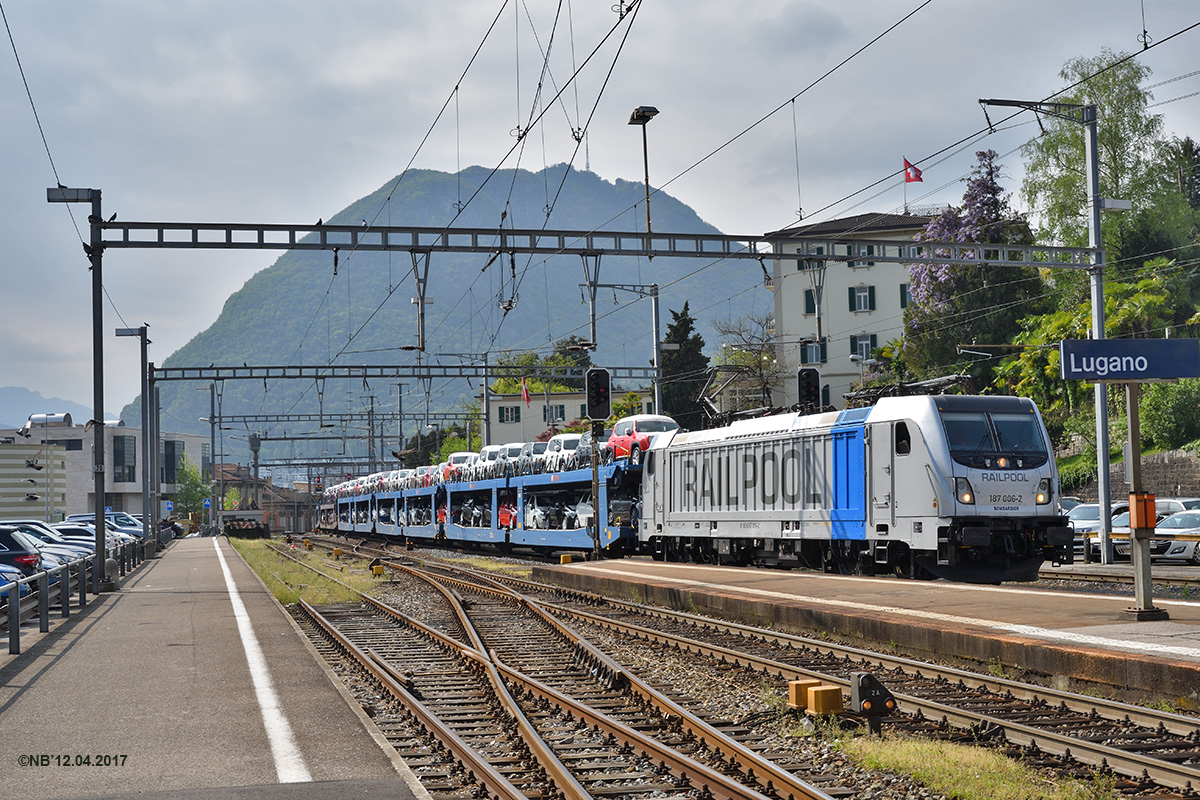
<point x="870" y="698"/>
<point x="808" y="380"/>
<point x="599" y="394"/>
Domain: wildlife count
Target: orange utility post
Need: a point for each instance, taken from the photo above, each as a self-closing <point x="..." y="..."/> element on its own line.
<point x="1142" y="517"/>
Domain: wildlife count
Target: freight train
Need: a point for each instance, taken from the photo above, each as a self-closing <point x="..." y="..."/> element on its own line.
<point x="950" y="486"/>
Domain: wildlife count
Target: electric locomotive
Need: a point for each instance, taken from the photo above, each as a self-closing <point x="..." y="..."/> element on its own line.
<point x="951" y="486"/>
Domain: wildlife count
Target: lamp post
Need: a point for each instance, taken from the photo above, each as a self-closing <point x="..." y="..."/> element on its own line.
<point x="141" y="334"/>
<point x="863" y="363"/>
<point x="640" y="116"/>
<point x="94" y="249"/>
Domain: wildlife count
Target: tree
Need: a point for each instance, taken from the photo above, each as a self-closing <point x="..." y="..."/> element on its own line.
<point x="965" y="305"/>
<point x="190" y="489"/>
<point x="569" y="353"/>
<point x="1142" y="309"/>
<point x="748" y="344"/>
<point x="683" y="370"/>
<point x="1130" y="141"/>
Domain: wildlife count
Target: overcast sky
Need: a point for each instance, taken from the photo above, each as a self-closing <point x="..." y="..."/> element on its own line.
<point x="285" y="112"/>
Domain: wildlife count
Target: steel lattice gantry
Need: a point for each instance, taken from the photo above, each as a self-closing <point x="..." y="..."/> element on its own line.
<point x="251" y="236"/>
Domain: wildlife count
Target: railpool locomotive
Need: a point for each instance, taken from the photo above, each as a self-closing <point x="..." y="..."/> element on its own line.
<point x="950" y="486"/>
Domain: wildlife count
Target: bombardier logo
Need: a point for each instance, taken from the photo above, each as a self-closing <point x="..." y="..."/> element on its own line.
<point x="1004" y="477"/>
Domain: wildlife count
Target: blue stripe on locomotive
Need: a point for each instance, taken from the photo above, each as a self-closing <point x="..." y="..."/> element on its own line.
<point x="848" y="475"/>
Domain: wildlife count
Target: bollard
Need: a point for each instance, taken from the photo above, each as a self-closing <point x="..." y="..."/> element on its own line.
<point x="337" y="553"/>
<point x="564" y="558"/>
<point x="112" y="580"/>
<point x="378" y="570"/>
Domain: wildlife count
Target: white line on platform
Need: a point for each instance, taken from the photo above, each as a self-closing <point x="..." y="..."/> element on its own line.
<point x="1154" y="648"/>
<point x="289" y="763"/>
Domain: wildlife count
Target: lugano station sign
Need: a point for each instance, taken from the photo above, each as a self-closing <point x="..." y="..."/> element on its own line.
<point x="1129" y="360"/>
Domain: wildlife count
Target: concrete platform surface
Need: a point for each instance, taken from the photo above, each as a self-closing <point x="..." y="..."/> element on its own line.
<point x="155" y="685"/>
<point x="1077" y="640"/>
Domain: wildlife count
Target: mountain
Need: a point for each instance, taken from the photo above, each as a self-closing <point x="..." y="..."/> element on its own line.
<point x="305" y="310"/>
<point x="17" y="403"/>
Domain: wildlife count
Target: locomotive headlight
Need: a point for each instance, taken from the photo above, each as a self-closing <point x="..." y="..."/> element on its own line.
<point x="1043" y="492"/>
<point x="962" y="488"/>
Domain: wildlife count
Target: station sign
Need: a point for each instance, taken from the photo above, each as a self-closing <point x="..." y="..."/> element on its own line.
<point x="1129" y="360"/>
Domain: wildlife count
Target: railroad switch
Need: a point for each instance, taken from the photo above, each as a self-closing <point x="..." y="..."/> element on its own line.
<point x="871" y="699"/>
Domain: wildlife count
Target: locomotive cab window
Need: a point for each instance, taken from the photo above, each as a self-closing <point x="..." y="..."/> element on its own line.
<point x="994" y="439"/>
<point x="903" y="440"/>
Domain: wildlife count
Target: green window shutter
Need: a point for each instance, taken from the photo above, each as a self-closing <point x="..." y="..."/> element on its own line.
<point x="871" y="298"/>
<point x="853" y="345"/>
<point x="810" y="302"/>
<point x="824" y="353"/>
<point x="874" y="346"/>
<point x="852" y="309"/>
<point x="904" y="295"/>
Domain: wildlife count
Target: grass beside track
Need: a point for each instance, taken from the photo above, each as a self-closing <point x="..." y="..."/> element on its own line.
<point x="290" y="582"/>
<point x="970" y="773"/>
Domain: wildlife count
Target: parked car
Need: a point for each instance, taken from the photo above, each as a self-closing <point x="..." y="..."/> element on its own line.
<point x="486" y="465"/>
<point x="559" y="450"/>
<point x="79" y="531"/>
<point x="49" y="535"/>
<point x="509" y="458"/>
<point x="1065" y="504"/>
<point x="457" y="464"/>
<point x="1180" y="522"/>
<point x="120" y="522"/>
<point x="533" y="458"/>
<point x="12" y="575"/>
<point x="1085" y="520"/>
<point x="16" y="553"/>
<point x="582" y="457"/>
<point x="631" y="436"/>
<point x="52" y="555"/>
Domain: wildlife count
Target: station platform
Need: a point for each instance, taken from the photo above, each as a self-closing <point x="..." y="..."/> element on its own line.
<point x="190" y="682"/>
<point x="1069" y="639"/>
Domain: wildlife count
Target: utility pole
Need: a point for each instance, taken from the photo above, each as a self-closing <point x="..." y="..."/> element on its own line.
<point x="1086" y="116"/>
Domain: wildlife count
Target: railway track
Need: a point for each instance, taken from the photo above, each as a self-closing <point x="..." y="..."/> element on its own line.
<point x="1143" y="745"/>
<point x="567" y="722"/>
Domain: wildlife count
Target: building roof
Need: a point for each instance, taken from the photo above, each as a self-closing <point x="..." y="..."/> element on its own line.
<point x="858" y="224"/>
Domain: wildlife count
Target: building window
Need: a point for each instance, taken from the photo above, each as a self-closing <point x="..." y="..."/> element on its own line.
<point x="862" y="345"/>
<point x="554" y="413"/>
<point x="124" y="459"/>
<point x="904" y="295"/>
<point x="862" y="298"/>
<point x="509" y="413"/>
<point x="813" y="353"/>
<point x="811" y="263"/>
<point x="582" y="411"/>
<point x="863" y="250"/>
<point x="648" y="407"/>
<point x="206" y="461"/>
<point x="172" y="460"/>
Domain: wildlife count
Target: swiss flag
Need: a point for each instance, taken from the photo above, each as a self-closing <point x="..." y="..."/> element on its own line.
<point x="524" y="392"/>
<point x="911" y="173"/>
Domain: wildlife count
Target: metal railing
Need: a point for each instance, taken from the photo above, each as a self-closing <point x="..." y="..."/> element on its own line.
<point x="57" y="586"/>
